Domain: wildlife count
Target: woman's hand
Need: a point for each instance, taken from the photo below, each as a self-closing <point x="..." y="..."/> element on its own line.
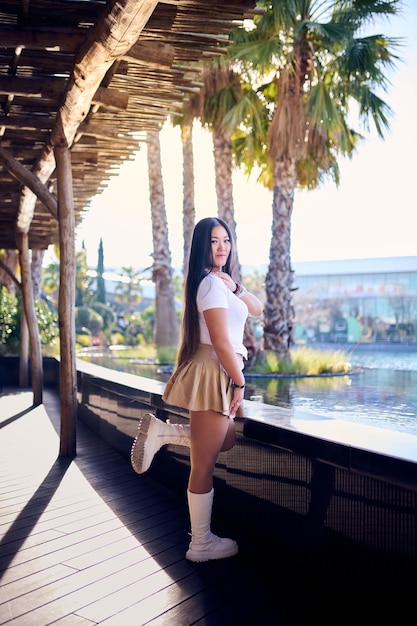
<point x="228" y="280"/>
<point x="236" y="401"/>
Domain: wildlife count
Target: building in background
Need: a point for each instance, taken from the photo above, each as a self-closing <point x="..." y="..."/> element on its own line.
<point x="357" y="300"/>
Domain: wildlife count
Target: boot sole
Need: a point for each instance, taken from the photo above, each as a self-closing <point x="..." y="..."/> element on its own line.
<point x="137" y="453"/>
<point x="200" y="558"/>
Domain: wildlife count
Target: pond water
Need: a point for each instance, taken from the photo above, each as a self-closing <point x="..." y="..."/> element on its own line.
<point x="381" y="392"/>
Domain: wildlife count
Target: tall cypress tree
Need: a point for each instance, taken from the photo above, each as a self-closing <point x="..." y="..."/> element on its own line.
<point x="101" y="287"/>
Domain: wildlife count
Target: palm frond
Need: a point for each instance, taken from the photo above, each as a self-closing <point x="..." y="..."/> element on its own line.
<point x="322" y="109"/>
<point x="363" y="12"/>
<point x="371" y="105"/>
<point x="264" y="54"/>
<point x="370" y="58"/>
<point x="310" y="66"/>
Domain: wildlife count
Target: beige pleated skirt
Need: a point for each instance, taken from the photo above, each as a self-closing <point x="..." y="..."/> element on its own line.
<point x="201" y="384"/>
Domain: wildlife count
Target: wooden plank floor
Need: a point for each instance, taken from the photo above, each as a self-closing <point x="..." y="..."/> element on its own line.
<point x="87" y="541"/>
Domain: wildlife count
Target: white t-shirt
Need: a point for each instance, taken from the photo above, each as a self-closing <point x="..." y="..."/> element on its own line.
<point x="212" y="293"/>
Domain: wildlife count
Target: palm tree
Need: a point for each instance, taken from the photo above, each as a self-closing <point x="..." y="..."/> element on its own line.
<point x="314" y="63"/>
<point x="166" y="330"/>
<point x="190" y="111"/>
<point x="188" y="208"/>
<point x="224" y="92"/>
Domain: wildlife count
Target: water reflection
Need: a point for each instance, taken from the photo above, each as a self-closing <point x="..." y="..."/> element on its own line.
<point x="285" y="391"/>
<point x="377" y="397"/>
<point x="381" y="394"/>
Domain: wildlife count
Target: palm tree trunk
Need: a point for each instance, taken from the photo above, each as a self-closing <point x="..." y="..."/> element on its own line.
<point x="166" y="330"/>
<point x="188" y="210"/>
<point x="223" y="167"/>
<point x="223" y="164"/>
<point x="278" y="311"/>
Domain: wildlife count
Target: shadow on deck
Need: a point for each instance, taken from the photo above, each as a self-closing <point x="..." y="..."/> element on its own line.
<point x="87" y="541"/>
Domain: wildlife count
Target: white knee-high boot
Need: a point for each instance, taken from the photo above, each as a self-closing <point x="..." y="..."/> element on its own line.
<point x="205" y="546"/>
<point x="153" y="433"/>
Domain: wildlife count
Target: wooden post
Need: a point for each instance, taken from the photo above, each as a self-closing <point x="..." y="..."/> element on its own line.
<point x="66" y="304"/>
<point x="24" y="351"/>
<point x="30" y="314"/>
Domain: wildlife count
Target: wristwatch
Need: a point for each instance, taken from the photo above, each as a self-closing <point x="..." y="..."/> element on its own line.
<point x="240" y="290"/>
<point x="234" y="386"/>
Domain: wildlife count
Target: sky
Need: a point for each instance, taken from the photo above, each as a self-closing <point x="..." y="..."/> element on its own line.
<point x="373" y="212"/>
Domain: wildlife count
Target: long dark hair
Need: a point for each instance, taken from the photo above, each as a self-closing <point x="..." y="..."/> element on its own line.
<point x="200" y="263"/>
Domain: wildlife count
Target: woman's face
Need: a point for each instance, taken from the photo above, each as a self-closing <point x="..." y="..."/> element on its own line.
<point x="220" y="247"/>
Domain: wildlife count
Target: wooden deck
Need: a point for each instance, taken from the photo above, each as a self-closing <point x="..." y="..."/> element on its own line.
<point x="87" y="541"/>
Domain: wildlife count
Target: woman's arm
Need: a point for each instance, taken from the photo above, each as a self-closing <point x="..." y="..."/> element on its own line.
<point x="254" y="305"/>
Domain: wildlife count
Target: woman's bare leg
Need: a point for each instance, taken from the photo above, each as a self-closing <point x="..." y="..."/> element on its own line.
<point x="230" y="439"/>
<point x="211" y="433"/>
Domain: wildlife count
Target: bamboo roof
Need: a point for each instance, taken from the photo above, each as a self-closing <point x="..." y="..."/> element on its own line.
<point x="94" y="76"/>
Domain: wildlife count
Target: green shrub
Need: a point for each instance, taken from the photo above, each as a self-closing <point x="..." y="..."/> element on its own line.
<point x="82" y="340"/>
<point x="106" y="312"/>
<point x="10" y="314"/>
<point x="87" y="317"/>
<point x="47" y="322"/>
<point x="303" y="362"/>
<point x="167" y="354"/>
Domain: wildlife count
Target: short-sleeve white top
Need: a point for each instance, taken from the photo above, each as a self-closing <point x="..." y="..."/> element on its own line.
<point x="212" y="293"/>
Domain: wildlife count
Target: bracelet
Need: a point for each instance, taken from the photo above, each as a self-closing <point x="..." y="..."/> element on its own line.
<point x="234" y="386"/>
<point x="240" y="290"/>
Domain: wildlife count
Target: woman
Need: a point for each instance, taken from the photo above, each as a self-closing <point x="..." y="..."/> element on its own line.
<point x="208" y="379"/>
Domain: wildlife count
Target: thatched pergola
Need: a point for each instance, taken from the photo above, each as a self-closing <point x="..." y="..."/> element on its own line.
<point x="81" y="82"/>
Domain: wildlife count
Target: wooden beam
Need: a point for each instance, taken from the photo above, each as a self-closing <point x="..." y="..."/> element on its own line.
<point x="105" y="131"/>
<point x="53" y="87"/>
<point x="33" y="122"/>
<point x="9" y="272"/>
<point x="84" y="157"/>
<point x="27" y="87"/>
<point x="153" y="53"/>
<point x="30" y="314"/>
<point x="66" y="302"/>
<point x="111" y="98"/>
<point x="56" y="39"/>
<point x="27" y="178"/>
<point x="23" y="351"/>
